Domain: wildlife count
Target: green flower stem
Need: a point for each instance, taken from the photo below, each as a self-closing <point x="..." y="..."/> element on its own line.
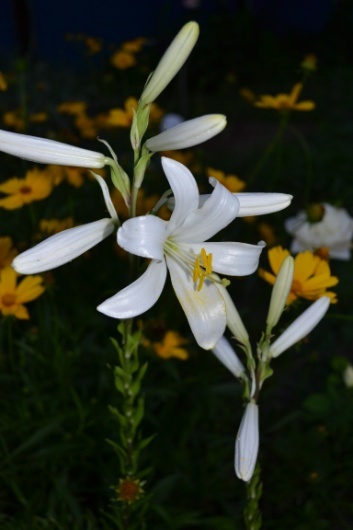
<point x="274" y="144"/>
<point x="252" y="512"/>
<point x="308" y="163"/>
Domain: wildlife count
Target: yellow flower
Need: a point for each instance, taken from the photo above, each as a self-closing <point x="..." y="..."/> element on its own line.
<point x="3" y="83"/>
<point x="13" y="296"/>
<point x="285" y="102"/>
<point x="312" y="275"/>
<point x="171" y="346"/>
<point x="38" y="117"/>
<point x="72" y="107"/>
<point x="231" y="182"/>
<point x="133" y="46"/>
<point x="129" y="490"/>
<point x="36" y="185"/>
<point x="309" y="62"/>
<point x="122" y="117"/>
<point x="7" y="252"/>
<point x="93" y="44"/>
<point x="248" y="95"/>
<point x="123" y="59"/>
<point x="75" y="176"/>
<point x="54" y="226"/>
<point x="13" y="120"/>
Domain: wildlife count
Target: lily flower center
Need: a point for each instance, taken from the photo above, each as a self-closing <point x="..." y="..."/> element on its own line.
<point x="199" y="266"/>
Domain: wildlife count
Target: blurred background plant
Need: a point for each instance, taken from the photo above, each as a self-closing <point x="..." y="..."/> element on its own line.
<point x="57" y="379"/>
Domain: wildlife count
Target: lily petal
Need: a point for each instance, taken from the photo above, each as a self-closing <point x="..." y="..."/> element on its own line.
<point x="143" y="236"/>
<point x="46" y="151"/>
<point x="204" y="309"/>
<point x="227" y="356"/>
<point x="186" y="193"/>
<point x="233" y="259"/>
<point x="139" y="296"/>
<point x="63" y="247"/>
<point x="256" y="203"/>
<point x="217" y="212"/>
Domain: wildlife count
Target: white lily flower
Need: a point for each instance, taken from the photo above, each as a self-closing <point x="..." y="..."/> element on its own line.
<point x="171" y="62"/>
<point x="45" y="151"/>
<point x="247" y="443"/>
<point x="188" y="133"/>
<point x="333" y="230"/>
<point x="258" y="203"/>
<point x="179" y="245"/>
<point x="280" y="291"/>
<point x="300" y="327"/>
<point x="68" y="244"/>
<point x="227" y="356"/>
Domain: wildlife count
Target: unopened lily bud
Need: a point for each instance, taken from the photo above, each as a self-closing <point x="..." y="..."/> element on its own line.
<point x="63" y="247"/>
<point x="49" y="151"/>
<point x="300" y="327"/>
<point x="171" y="62"/>
<point x="227" y="356"/>
<point x="247" y="443"/>
<point x="188" y="133"/>
<point x="280" y="291"/>
<point x="234" y="322"/>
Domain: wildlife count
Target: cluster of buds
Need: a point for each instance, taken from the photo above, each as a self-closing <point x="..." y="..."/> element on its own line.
<point x="258" y="367"/>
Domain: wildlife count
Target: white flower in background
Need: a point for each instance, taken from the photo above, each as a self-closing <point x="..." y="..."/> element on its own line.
<point x="179" y="245"/>
<point x="247" y="443"/>
<point x="68" y="244"/>
<point x="332" y="228"/>
<point x="301" y="326"/>
<point x="170" y="120"/>
<point x="227" y="356"/>
<point x="348" y="376"/>
<point x="188" y="133"/>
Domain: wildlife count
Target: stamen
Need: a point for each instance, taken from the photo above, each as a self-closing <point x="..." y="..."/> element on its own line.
<point x="203" y="269"/>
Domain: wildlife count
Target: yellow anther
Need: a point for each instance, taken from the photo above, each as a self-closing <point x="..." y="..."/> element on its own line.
<point x="202" y="268"/>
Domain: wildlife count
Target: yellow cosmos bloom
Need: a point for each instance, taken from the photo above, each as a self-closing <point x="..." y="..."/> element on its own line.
<point x="171" y="346"/>
<point x="13" y="296"/>
<point x="123" y="59"/>
<point x="312" y="275"/>
<point x="36" y="185"/>
<point x="54" y="226"/>
<point x="134" y="46"/>
<point x="7" y="252"/>
<point x="285" y="102"/>
<point x="3" y="83"/>
<point x="75" y="176"/>
<point x="231" y="182"/>
<point x="122" y="117"/>
<point x="72" y="107"/>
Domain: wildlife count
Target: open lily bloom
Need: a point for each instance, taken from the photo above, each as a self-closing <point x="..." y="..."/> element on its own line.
<point x="179" y="245"/>
<point x="68" y="244"/>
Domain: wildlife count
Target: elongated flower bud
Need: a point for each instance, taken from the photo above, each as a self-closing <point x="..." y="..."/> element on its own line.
<point x="171" y="62"/>
<point x="280" y="291"/>
<point x="227" y="356"/>
<point x="46" y="151"/>
<point x="247" y="443"/>
<point x="188" y="133"/>
<point x="300" y="327"/>
<point x="63" y="247"/>
<point x="234" y="322"/>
